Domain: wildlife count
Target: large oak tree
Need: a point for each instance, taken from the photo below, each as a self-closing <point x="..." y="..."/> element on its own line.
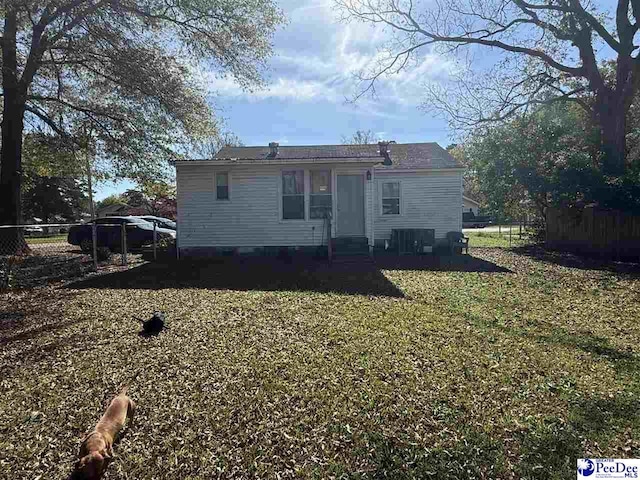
<point x="124" y="71"/>
<point x="551" y="50"/>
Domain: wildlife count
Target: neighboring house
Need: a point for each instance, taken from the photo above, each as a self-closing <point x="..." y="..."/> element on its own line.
<point x="470" y="205"/>
<point x="248" y="197"/>
<point x="114" y="210"/>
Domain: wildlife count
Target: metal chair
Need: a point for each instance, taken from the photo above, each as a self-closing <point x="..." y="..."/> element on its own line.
<point x="457" y="240"/>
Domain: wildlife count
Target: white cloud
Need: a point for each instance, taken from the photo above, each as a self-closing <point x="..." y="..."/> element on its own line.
<point x="318" y="59"/>
<point x="282" y="88"/>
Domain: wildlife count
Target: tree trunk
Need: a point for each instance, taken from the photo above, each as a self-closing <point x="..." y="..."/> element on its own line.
<point x="11" y="239"/>
<point x="611" y="114"/>
<point x="614" y="142"/>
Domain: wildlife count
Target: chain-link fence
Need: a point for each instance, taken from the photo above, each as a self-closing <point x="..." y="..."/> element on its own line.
<point x="501" y="236"/>
<point x="34" y="255"/>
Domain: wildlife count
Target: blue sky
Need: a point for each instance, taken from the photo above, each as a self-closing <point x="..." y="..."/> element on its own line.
<point x="311" y="77"/>
<point x="309" y="80"/>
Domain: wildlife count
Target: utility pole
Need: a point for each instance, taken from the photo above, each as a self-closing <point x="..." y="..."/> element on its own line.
<point x="94" y="236"/>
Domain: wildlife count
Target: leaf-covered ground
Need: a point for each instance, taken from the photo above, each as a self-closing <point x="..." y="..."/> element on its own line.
<point x="506" y="365"/>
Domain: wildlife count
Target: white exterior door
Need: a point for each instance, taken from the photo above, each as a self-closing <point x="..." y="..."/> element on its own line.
<point x="350" y="205"/>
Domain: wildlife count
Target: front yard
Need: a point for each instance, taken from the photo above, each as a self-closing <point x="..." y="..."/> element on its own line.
<point x="507" y="366"/>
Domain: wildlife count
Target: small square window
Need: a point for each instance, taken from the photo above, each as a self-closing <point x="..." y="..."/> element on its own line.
<point x="222" y="186"/>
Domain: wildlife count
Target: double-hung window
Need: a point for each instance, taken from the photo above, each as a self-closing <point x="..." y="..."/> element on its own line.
<point x="320" y="196"/>
<point x="222" y="185"/>
<point x="391" y="198"/>
<point x="293" y="195"/>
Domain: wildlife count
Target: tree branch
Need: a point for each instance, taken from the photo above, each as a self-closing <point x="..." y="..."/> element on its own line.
<point x="574" y="71"/>
<point x="461" y="39"/>
<point x="41" y="42"/>
<point x="405" y="53"/>
<point x="635" y="6"/>
<point x="597" y="26"/>
<point x="46" y="119"/>
<point x="542" y="24"/>
<point x="79" y="18"/>
<point x="568" y="96"/>
<point x="77" y="108"/>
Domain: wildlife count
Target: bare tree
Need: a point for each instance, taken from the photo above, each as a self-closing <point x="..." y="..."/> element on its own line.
<point x="361" y="137"/>
<point x="208" y="147"/>
<point x="550" y="51"/>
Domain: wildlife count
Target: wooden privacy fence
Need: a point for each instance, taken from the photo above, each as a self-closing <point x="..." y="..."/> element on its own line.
<point x="594" y="231"/>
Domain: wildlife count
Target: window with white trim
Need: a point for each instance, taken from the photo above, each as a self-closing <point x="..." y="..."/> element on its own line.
<point x="293" y="195"/>
<point x="391" y="198"/>
<point x="320" y="196"/>
<point x="222" y="186"/>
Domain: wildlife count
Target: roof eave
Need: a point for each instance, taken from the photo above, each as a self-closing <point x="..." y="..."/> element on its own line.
<point x="418" y="170"/>
<point x="276" y="161"/>
<point x="471" y="200"/>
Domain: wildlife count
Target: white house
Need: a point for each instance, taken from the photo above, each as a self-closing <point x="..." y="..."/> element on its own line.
<point x="116" y="209"/>
<point x="470" y="205"/>
<point x="291" y="196"/>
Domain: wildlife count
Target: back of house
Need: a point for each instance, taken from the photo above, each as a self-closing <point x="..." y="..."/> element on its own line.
<point x="256" y="197"/>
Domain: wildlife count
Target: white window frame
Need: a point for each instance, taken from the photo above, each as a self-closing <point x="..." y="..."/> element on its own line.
<point x="382" y="182"/>
<point x="215" y="185"/>
<point x="305" y="194"/>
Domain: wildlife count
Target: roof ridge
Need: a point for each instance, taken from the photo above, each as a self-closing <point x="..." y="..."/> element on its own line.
<point x="417" y="155"/>
<point x="328" y="145"/>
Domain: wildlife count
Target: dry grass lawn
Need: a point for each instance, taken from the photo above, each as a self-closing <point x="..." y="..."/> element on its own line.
<point x="503" y="366"/>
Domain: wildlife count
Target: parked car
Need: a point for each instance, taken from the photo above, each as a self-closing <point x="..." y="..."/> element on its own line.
<point x="469" y="220"/>
<point x="161" y="222"/>
<point x="33" y="230"/>
<point x="109" y="233"/>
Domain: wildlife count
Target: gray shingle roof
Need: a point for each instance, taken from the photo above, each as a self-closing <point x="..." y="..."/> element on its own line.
<point x="403" y="155"/>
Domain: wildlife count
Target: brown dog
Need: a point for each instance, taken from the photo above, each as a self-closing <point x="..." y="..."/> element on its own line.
<point x="97" y="447"/>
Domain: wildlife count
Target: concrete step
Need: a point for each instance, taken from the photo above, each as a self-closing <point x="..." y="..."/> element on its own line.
<point x="351" y="253"/>
<point x="350" y="246"/>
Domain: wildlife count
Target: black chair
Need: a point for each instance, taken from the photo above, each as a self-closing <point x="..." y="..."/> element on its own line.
<point x="457" y="240"/>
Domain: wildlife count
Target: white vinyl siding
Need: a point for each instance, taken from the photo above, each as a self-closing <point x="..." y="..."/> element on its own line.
<point x="428" y="200"/>
<point x="254" y="216"/>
